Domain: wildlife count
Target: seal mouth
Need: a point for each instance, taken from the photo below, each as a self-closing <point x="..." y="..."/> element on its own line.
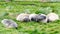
<point x="42" y="18"/>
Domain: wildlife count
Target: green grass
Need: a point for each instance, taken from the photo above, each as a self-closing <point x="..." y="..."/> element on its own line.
<point x="12" y="9"/>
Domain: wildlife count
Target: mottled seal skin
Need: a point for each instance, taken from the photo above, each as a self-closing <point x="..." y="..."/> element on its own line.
<point x="43" y="18"/>
<point x="8" y="23"/>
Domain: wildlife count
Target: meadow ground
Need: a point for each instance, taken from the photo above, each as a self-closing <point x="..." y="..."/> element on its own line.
<point x="9" y="10"/>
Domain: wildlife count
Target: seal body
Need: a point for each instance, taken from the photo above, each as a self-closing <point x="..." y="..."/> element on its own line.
<point x="52" y="17"/>
<point x="23" y="17"/>
<point x="38" y="17"/>
<point x="33" y="17"/>
<point x="9" y="23"/>
<point x="43" y="18"/>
